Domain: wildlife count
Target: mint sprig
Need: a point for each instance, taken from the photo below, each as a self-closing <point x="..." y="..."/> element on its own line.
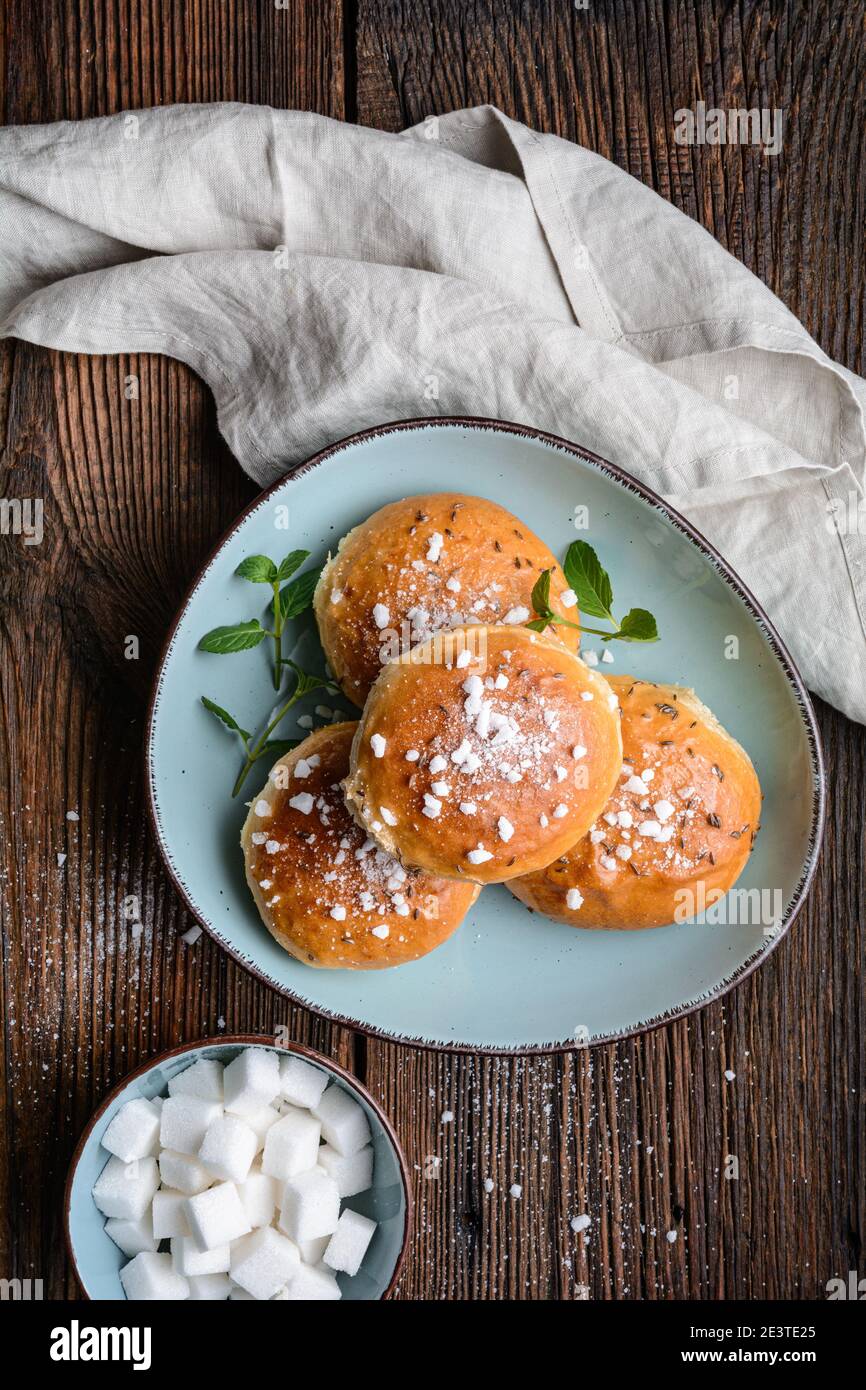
<point x="264" y="745"/>
<point x="288" y="600"/>
<point x="590" y="581"/>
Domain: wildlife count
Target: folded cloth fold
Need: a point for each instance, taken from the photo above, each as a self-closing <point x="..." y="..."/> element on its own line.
<point x="322" y="278"/>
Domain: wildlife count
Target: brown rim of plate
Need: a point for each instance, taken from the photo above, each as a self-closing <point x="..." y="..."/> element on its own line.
<point x="725" y="572"/>
<point x="244" y="1040"/>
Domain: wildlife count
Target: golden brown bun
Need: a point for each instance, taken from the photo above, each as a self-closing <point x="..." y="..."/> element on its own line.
<point x="546" y="764"/>
<point x="704" y="776"/>
<point x="302" y="864"/>
<point x="493" y="557"/>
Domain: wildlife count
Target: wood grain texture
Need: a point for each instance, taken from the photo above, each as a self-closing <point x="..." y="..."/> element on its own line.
<point x="638" y="1135"/>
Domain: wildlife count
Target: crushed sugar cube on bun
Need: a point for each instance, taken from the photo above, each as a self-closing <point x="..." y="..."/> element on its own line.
<point x="325" y="890"/>
<point x="423" y="564"/>
<point x="677" y="831"/>
<point x="483" y="753"/>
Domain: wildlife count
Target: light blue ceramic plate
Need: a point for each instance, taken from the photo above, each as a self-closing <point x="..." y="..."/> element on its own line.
<point x="506" y="980"/>
<point x="97" y="1260"/>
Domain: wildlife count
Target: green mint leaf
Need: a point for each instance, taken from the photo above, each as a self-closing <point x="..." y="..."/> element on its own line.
<point x="539" y="624"/>
<point x="223" y="714"/>
<point x="292" y="562"/>
<point x="638" y="626"/>
<point x="238" y="637"/>
<point x="589" y="580"/>
<point x="541" y="593"/>
<point x="258" y="569"/>
<point x="305" y="680"/>
<point x="298" y="594"/>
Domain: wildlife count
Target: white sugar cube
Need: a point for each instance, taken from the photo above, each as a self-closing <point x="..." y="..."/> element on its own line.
<point x="183" y="1173"/>
<point x="228" y="1148"/>
<point x="134" y="1131"/>
<point x="291" y="1145"/>
<point x="184" y="1122"/>
<point x="344" y="1124"/>
<point x="263" y="1262"/>
<point x="190" y="1260"/>
<point x="209" y="1287"/>
<point x="169" y="1213"/>
<point x="217" y="1216"/>
<point x="301" y="1083"/>
<point x="259" y="1195"/>
<point x="348" y="1244"/>
<point x="312" y="1285"/>
<point x="125" y="1189"/>
<point x="352" y="1173"/>
<point x="131" y="1236"/>
<point x="312" y="1251"/>
<point x="251" y="1081"/>
<point x="239" y="1295"/>
<point x="203" y="1079"/>
<point x="311" y="1205"/>
<point x="151" y="1277"/>
<point x="260" y="1122"/>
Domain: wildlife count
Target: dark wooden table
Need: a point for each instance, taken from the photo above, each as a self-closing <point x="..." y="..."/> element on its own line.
<point x="636" y="1134"/>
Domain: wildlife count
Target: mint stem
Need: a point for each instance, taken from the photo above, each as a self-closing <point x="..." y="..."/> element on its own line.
<point x="278" y="636"/>
<point x="258" y="747"/>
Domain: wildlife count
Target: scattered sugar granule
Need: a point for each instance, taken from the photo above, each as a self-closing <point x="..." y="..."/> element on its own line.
<point x="382" y="931"/>
<point x="191" y="936"/>
<point x="437" y="764"/>
<point x="263" y="808"/>
<point x="324" y="711"/>
<point x="378" y="745"/>
<point x="608" y="861"/>
<point x="336" y="595"/>
<point x="560" y="811"/>
<point x="463" y="658"/>
<point x="573" y="899"/>
<point x="302" y="802"/>
<point x="648" y="774"/>
<point x="568" y="598"/>
<point x="61" y="860"/>
<point x="388" y="816"/>
<point x="447" y="1117"/>
<point x="338" y="912"/>
<point x="635" y="785"/>
<point x="272" y="847"/>
<point x="432" y="806"/>
<point x="479" y="855"/>
<point x="516" y="1190"/>
<point x="623" y="851"/>
<point x="580" y="1223"/>
<point x="650" y="829"/>
<point x="72" y="815"/>
<point x="730" y="1075"/>
<point x="302" y="768"/>
<point x="590" y="658"/>
<point x="434" y="547"/>
<point x="453" y="584"/>
<point x="505" y="828"/>
<point x="663" y="809"/>
<point x="578" y="751"/>
<point x="488" y="1184"/>
<point x="468" y="808"/>
<point x="381" y="615"/>
<point x="543" y="821"/>
<point x="670" y="1237"/>
<point x="607" y="656"/>
<point x="413" y="755"/>
<point x="440" y="788"/>
<point x="517" y="615"/>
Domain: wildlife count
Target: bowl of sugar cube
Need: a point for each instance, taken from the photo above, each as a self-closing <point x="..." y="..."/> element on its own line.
<point x="238" y="1169"/>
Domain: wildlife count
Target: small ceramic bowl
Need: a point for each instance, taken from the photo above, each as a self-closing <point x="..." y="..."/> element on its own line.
<point x="97" y="1261"/>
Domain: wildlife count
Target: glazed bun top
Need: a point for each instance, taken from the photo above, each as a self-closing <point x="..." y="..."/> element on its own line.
<point x="684" y="813"/>
<point x="424" y="564"/>
<point x="324" y="890"/>
<point x="484" y="753"/>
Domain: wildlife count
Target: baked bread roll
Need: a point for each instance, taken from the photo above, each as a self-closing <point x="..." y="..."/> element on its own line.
<point x="324" y="891"/>
<point x="424" y="564"/>
<point x="677" y="831"/>
<point x="484" y="753"/>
